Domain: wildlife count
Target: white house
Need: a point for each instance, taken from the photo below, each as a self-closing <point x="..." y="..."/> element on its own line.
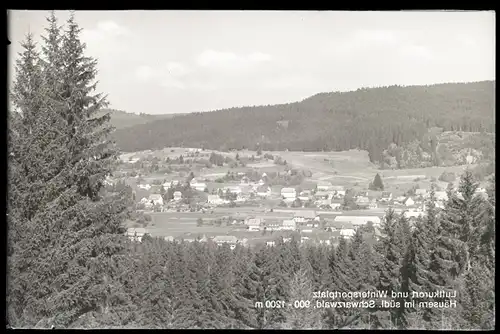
<point x="340" y="193"/>
<point x="386" y="196"/>
<point x="215" y="200"/>
<point x="305" y="216"/>
<point x="274" y="226"/>
<point x="289" y="225"/>
<point x="305" y="195"/>
<point x="199" y="186"/>
<point x="144" y="186"/>
<point x="231" y="240"/>
<point x="347" y="233"/>
<point x="362" y="200"/>
<point x="270" y="243"/>
<point x="421" y="193"/>
<point x="233" y="190"/>
<point x="323" y="185"/>
<point x="253" y="224"/>
<point x="136" y="233"/>
<point x="409" y="201"/>
<point x="261" y="182"/>
<point x="288" y="194"/>
<point x="156" y="199"/>
<point x="335" y="205"/>
<point x="413" y="214"/>
<point x="177" y="196"/>
<point x="264" y="191"/>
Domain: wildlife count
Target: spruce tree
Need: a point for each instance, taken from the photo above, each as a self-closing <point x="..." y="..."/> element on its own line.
<point x="76" y="228"/>
<point x="418" y="260"/>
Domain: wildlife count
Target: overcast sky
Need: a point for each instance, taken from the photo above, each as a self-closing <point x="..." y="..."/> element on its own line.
<point x="184" y="61"/>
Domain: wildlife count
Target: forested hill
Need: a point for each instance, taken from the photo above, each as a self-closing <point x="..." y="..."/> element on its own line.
<point x="121" y="119"/>
<point x="369" y="119"/>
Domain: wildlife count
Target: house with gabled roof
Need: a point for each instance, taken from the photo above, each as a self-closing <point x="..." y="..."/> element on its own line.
<point x="305" y="216"/>
<point x="422" y="193"/>
<point x="231" y="240"/>
<point x="156" y="199"/>
<point x="386" y="196"/>
<point x="323" y="185"/>
<point x="288" y="194"/>
<point x="254" y="224"/>
<point x="136" y="233"/>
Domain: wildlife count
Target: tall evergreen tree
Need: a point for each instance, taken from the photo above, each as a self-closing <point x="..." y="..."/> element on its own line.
<point x="77" y="228"/>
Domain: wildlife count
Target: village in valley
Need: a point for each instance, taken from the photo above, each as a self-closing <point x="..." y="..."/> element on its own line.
<point x="251" y="197"/>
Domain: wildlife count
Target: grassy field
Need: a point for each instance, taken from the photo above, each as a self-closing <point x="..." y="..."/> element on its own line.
<point x="185" y="223"/>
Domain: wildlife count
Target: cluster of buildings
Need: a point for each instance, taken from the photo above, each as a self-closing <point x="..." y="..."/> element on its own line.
<point x="137" y="233"/>
<point x="326" y="195"/>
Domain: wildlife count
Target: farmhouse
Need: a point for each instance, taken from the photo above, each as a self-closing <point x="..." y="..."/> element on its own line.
<point x="289" y="225"/>
<point x="335" y="205"/>
<point x="305" y="216"/>
<point x="215" y="200"/>
<point x="177" y="196"/>
<point x="231" y="240"/>
<point x="233" y="190"/>
<point x="358" y="220"/>
<point x="324" y="202"/>
<point x="362" y="200"/>
<point x="322" y="194"/>
<point x="136" y="233"/>
<point x="305" y="195"/>
<point x="332" y="226"/>
<point x="340" y="194"/>
<point x="264" y="191"/>
<point x="253" y="224"/>
<point x="347" y="233"/>
<point x="288" y="194"/>
<point x="156" y="199"/>
<point x="386" y="196"/>
<point x="409" y="201"/>
<point x="422" y="193"/>
<point x="274" y="226"/>
<point x="323" y="186"/>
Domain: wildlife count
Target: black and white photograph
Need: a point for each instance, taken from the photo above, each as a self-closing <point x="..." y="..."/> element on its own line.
<point x="250" y="169"/>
